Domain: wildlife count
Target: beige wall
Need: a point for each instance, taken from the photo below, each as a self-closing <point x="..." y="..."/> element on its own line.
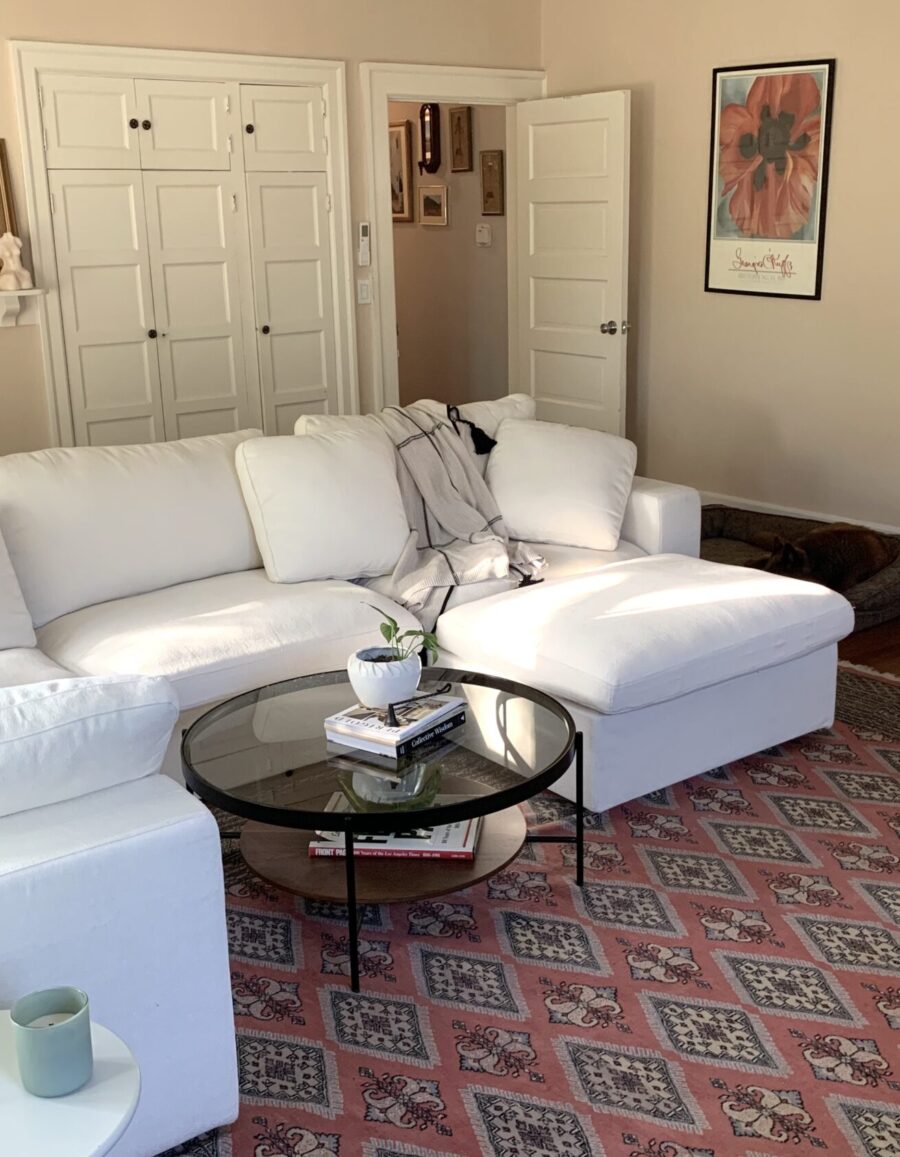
<point x="795" y="403"/>
<point x="504" y="33"/>
<point x="451" y="294"/>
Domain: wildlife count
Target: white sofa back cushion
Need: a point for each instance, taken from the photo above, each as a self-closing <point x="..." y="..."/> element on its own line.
<point x="91" y="524"/>
<point x="561" y="484"/>
<point x="486" y="415"/>
<point x="66" y="738"/>
<point x="16" y="629"/>
<point x="325" y="506"/>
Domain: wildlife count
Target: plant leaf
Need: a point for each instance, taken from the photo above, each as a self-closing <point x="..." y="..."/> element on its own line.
<point x="387" y="632"/>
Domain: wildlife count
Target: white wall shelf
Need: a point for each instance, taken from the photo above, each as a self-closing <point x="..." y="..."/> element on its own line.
<point x="11" y="303"/>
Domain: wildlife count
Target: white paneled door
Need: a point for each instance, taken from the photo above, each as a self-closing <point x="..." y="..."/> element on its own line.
<point x="90" y="122"/>
<point x="194" y="225"/>
<point x="572" y="256"/>
<point x="292" y="281"/>
<point x="283" y="128"/>
<point x="182" y="124"/>
<point x="107" y="306"/>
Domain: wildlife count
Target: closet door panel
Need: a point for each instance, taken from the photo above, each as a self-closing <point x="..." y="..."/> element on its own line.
<point x="186" y="120"/>
<point x="192" y="224"/>
<point x="291" y="252"/>
<point x="283" y="129"/>
<point x="87" y="122"/>
<point x="107" y="307"/>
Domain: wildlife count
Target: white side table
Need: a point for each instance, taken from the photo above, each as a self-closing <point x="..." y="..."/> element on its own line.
<point x="86" y="1123"/>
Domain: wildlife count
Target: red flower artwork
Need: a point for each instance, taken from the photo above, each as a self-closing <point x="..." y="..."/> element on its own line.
<point x="769" y="155"/>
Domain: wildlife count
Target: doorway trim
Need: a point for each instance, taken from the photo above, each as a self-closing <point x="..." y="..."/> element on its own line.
<point x="443" y="84"/>
<point x="33" y="59"/>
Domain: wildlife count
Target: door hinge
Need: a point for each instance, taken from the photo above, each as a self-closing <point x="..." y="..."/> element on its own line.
<point x="228" y="104"/>
<point x="229" y="144"/>
<point x="327" y="202"/>
<point x="234" y="202"/>
<point x="44" y="134"/>
<point x="324" y="108"/>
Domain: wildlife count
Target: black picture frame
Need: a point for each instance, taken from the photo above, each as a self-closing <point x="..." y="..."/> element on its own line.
<point x="792" y="135"/>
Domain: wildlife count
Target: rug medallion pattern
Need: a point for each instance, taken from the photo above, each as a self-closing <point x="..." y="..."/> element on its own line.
<point x="727" y="983"/>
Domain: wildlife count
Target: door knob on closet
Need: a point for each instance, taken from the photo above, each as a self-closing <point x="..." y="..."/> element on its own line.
<point x="146" y="124"/>
<point x="250" y="128"/>
<point x="609" y="327"/>
<point x="133" y="123"/>
<point x="266" y="329"/>
<point x="151" y="333"/>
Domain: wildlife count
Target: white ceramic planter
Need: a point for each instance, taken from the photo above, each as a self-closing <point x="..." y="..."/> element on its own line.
<point x="380" y="684"/>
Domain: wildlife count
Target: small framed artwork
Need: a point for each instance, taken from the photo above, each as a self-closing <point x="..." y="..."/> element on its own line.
<point x="768" y="178"/>
<point x="493" y="197"/>
<point x="400" y="136"/>
<point x="7" y="209"/>
<point x="433" y="204"/>
<point x="461" y="139"/>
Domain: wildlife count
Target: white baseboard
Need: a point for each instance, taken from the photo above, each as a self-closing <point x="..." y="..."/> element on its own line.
<point x="770" y="508"/>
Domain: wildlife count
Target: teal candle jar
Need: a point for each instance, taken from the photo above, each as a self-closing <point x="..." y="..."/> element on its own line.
<point x="53" y="1041"/>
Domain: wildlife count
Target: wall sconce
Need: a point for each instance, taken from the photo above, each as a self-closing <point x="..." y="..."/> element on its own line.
<point x="429" y="138"/>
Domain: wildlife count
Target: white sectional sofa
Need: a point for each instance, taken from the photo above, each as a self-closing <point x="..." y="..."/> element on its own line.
<point x="142" y="560"/>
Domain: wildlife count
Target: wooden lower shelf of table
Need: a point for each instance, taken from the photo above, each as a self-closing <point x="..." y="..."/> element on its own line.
<point x="281" y="856"/>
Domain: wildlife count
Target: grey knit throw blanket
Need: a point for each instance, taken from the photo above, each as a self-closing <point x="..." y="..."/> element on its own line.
<point x="457" y="534"/>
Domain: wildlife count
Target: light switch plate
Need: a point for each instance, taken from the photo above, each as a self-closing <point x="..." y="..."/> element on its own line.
<point x="364" y="291"/>
<point x="484" y="235"/>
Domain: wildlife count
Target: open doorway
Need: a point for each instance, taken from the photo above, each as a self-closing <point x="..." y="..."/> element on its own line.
<point x="450" y="254"/>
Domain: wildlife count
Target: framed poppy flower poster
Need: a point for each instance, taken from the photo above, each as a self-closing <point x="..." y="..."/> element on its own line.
<point x="771" y="126"/>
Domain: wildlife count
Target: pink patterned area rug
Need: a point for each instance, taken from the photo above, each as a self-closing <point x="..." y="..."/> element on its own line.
<point x="727" y="984"/>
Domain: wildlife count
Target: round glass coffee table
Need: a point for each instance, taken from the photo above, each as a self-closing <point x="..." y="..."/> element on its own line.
<point x="263" y="756"/>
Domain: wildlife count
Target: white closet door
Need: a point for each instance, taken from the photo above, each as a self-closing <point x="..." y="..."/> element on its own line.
<point x="90" y="122"/>
<point x="192" y="225"/>
<point x="572" y="194"/>
<point x="283" y="129"/>
<point x="182" y="124"/>
<point x="291" y="251"/>
<point x="107" y="307"/>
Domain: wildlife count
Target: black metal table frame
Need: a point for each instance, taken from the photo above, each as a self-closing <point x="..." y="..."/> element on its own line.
<point x="574" y="750"/>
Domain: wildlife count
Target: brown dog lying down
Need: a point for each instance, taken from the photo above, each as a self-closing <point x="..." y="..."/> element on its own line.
<point x="837" y="556"/>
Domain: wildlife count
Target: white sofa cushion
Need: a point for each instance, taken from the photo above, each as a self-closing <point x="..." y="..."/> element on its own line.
<point x="324" y="506"/>
<point x="20" y="665"/>
<point x="220" y="636"/>
<point x="561" y="484"/>
<point x="662" y="517"/>
<point x="64" y="739"/>
<point x="644" y="631"/>
<point x="16" y="629"/>
<point x="89" y="524"/>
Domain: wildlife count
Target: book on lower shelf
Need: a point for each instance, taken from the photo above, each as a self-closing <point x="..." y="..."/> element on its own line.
<point x="444" y="842"/>
<point x="419" y="723"/>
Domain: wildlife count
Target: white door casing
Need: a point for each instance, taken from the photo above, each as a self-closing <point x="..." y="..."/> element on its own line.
<point x="572" y="173"/>
<point x="193" y="229"/>
<point x="107" y="306"/>
<point x="182" y="124"/>
<point x="88" y="122"/>
<point x="283" y="129"/>
<point x="291" y="257"/>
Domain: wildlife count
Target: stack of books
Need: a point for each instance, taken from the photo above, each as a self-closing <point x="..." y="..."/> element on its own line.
<point x="445" y="842"/>
<point x="420" y="722"/>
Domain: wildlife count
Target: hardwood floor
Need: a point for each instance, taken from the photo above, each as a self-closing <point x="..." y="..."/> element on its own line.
<point x="877" y="647"/>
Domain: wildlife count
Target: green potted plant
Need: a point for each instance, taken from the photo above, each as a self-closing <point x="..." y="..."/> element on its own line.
<point x="390" y="674"/>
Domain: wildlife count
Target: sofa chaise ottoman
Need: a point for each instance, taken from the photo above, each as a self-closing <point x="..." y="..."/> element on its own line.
<point x="669" y="665"/>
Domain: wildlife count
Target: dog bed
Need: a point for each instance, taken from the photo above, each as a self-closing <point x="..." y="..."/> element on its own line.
<point x="737" y="536"/>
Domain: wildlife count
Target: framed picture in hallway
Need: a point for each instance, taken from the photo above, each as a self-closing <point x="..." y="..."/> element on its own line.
<point x="768" y="178"/>
<point x="493" y="198"/>
<point x="433" y="205"/>
<point x="401" y="171"/>
<point x="461" y="139"/>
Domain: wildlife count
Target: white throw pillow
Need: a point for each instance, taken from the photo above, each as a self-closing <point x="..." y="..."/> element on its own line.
<point x="561" y="484"/>
<point x="324" y="506"/>
<point x="16" y="629"/>
<point x="66" y="738"/>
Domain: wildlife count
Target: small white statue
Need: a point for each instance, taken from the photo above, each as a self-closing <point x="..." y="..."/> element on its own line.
<point x="14" y="275"/>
